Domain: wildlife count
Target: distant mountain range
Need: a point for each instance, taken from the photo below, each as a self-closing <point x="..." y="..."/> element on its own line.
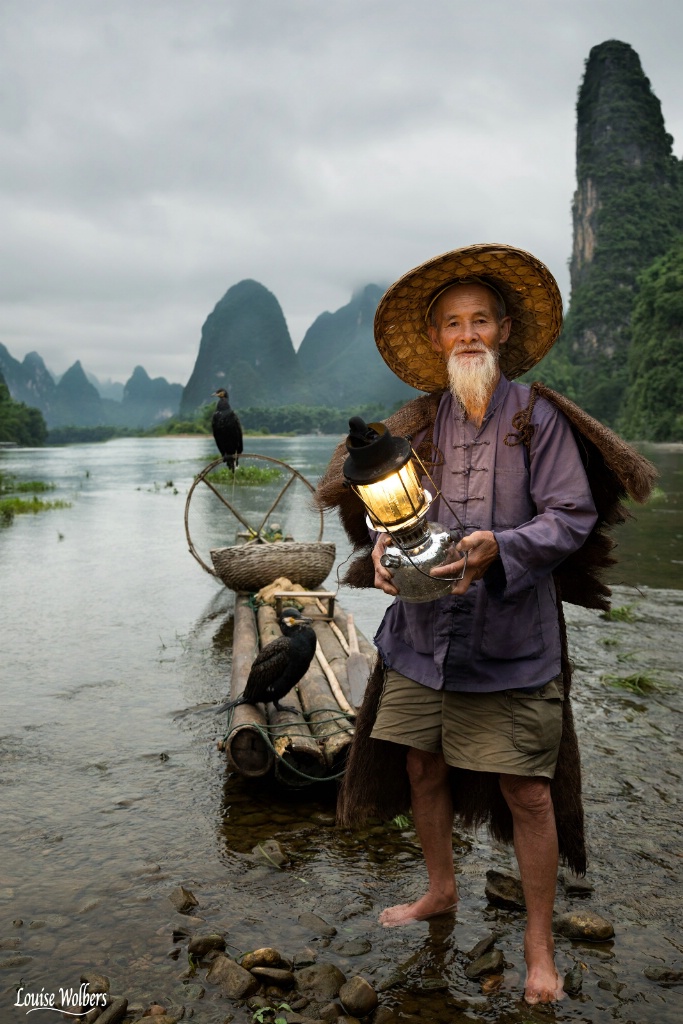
<point x="73" y="400"/>
<point x="245" y="347"/>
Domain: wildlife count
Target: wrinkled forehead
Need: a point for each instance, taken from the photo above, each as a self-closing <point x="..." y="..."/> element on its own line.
<point x="476" y="291"/>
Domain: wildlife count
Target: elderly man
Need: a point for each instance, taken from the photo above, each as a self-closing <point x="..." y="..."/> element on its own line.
<point x="474" y="685"/>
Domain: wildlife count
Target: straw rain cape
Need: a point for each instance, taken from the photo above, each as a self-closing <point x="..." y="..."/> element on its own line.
<point x="376" y="782"/>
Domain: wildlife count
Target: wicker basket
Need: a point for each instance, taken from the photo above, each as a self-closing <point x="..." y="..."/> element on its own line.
<point x="248" y="567"/>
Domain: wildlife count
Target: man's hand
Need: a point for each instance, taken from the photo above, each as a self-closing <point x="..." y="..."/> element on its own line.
<point x="383" y="577"/>
<point x="482" y="548"/>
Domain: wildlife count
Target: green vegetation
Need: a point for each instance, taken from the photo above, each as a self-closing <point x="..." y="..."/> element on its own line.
<point x="12" y="505"/>
<point x="637" y="683"/>
<point x="284" y="419"/>
<point x="19" y="423"/>
<point x="245" y="476"/>
<point x="628" y="211"/>
<point x="624" y="613"/>
<point x="88" y="435"/>
<point x="264" y="1014"/>
<point x="653" y="406"/>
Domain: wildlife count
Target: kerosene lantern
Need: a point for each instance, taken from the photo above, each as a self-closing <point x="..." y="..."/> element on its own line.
<point x="382" y="470"/>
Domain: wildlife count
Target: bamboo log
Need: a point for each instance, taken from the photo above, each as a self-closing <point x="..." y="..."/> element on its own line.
<point x="324" y="716"/>
<point x="289" y="732"/>
<point x="334" y="684"/>
<point x="246" y="749"/>
<point x="364" y="645"/>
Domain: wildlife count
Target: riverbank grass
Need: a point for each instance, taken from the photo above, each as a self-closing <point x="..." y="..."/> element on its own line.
<point x="638" y="682"/>
<point x="12" y="505"/>
<point x="245" y="476"/>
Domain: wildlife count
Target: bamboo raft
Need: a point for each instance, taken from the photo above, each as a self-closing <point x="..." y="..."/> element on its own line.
<point x="310" y="744"/>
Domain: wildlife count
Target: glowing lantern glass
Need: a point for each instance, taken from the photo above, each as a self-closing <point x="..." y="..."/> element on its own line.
<point x="382" y="471"/>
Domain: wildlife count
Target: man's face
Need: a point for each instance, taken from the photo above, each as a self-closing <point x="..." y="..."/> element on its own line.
<point x="466" y="323"/>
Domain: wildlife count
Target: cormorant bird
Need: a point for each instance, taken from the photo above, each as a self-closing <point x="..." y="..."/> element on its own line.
<point x="280" y="664"/>
<point x="227" y="430"/>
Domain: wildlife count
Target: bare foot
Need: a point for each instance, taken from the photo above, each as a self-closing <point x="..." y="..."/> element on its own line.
<point x="427" y="906"/>
<point x="543" y="983"/>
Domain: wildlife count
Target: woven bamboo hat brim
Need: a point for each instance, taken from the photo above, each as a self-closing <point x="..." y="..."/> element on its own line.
<point x="531" y="296"/>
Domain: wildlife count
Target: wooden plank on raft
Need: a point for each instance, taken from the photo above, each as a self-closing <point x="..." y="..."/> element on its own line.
<point x="289" y="732"/>
<point x="332" y="658"/>
<point x="246" y="749"/>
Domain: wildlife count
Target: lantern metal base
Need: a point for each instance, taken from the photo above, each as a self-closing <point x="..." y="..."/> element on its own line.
<point x="410" y="564"/>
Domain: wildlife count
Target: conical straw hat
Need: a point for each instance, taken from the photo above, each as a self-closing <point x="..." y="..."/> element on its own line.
<point x="531" y="296"/>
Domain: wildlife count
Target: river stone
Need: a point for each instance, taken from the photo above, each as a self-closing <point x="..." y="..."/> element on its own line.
<point x="200" y="945"/>
<point x="233" y="980"/>
<point x="96" y="982"/>
<point x="194" y="991"/>
<point x="115" y="1012"/>
<point x="583" y="924"/>
<point x="490" y="963"/>
<point x="316" y="926"/>
<point x="271" y="853"/>
<point x="329" y="1012"/>
<point x="573" y="981"/>
<point x="578" y="887"/>
<point x="383" y="1015"/>
<point x="322" y="980"/>
<point x="264" y="957"/>
<point x="358" y="997"/>
<point x="483" y="946"/>
<point x="183" y="900"/>
<point x="353" y="947"/>
<point x="462" y="1001"/>
<point x="10" y="943"/>
<point x="504" y="890"/>
<point x="304" y="957"/>
<point x="274" y="976"/>
<point x="664" y="975"/>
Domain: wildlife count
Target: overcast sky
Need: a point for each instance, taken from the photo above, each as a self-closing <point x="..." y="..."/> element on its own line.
<point x="155" y="152"/>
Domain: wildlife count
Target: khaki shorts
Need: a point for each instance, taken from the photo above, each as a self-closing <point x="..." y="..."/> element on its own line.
<point x="508" y="732"/>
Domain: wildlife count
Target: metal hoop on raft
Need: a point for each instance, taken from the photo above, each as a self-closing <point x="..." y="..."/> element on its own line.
<point x="249" y="566"/>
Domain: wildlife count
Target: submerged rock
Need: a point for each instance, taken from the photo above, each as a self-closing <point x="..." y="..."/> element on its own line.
<point x="490" y="963"/>
<point x="483" y="946"/>
<point x="270" y="852"/>
<point x="183" y="900"/>
<point x="233" y="980"/>
<point x="323" y="981"/>
<point x="358" y="997"/>
<point x="573" y="981"/>
<point x="504" y="890"/>
<point x="316" y="925"/>
<point x="584" y="924"/>
<point x="353" y="947"/>
<point x="200" y="945"/>
<point x="664" y="975"/>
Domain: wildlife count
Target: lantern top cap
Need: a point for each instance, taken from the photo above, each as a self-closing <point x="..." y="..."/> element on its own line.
<point x="374" y="453"/>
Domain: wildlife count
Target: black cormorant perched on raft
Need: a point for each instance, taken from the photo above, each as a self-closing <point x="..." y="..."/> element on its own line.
<point x="227" y="430"/>
<point x="280" y="665"/>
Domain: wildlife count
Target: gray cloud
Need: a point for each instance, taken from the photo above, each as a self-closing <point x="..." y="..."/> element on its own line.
<point x="153" y="154"/>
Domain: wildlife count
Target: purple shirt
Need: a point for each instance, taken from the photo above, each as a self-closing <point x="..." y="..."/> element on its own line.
<point x="504" y="632"/>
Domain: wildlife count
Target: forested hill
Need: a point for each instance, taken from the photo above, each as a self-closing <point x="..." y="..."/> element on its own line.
<point x="627" y="214"/>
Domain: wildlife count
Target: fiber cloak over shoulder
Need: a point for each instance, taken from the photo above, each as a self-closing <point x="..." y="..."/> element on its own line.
<point x="376" y="781"/>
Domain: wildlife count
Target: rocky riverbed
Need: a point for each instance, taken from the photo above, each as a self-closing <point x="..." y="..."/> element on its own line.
<point x="171" y="929"/>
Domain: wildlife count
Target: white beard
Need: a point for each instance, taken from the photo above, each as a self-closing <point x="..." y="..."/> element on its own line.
<point x="472" y="380"/>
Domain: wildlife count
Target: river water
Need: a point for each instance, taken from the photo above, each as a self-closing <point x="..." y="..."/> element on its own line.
<point x="111" y="796"/>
